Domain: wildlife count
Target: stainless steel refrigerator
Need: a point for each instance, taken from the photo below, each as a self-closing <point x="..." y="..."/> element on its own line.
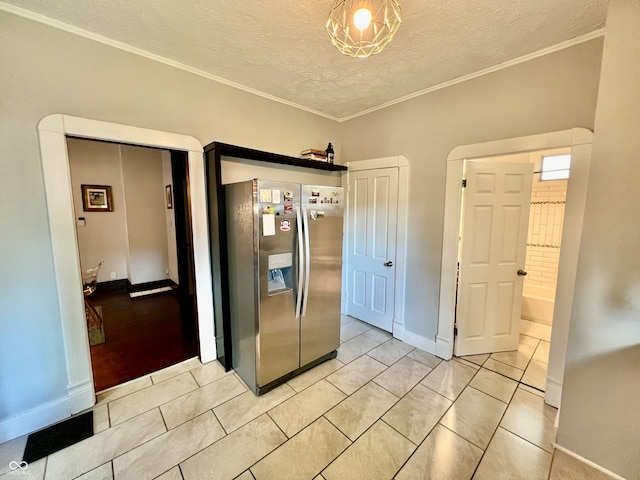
<point x="284" y="244"/>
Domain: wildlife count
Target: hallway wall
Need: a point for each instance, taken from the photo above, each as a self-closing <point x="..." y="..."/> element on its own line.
<point x="104" y="234"/>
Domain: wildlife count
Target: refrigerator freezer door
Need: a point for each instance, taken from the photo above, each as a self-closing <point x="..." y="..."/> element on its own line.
<point x="242" y="238"/>
<point x="277" y="339"/>
<point x="320" y="325"/>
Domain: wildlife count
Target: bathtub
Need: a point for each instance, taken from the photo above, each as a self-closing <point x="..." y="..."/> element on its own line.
<point x="537" y="303"/>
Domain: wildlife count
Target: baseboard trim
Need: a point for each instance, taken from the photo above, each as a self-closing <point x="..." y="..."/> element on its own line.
<point x="81" y="396"/>
<point x="397" y="330"/>
<point x="141" y="287"/>
<point x="588" y="462"/>
<point x="34" y="419"/>
<point x="418" y="341"/>
<point x="443" y="348"/>
<point x="553" y="393"/>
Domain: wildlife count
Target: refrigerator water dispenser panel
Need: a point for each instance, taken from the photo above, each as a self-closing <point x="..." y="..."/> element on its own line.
<point x="280" y="275"/>
<point x="280" y="260"/>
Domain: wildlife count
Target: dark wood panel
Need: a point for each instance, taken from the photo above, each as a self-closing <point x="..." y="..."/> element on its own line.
<point x="142" y="335"/>
<point x="227" y="150"/>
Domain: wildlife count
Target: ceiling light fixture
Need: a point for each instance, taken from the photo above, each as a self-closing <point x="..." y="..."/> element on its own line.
<point x="360" y="28"/>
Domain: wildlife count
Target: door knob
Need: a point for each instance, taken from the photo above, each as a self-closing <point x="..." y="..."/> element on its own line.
<point x="388" y="264"/>
<point x="522" y="272"/>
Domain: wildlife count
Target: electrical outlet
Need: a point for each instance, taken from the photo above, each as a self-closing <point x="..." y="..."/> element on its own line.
<point x="113" y="275"/>
<point x="167" y="271"/>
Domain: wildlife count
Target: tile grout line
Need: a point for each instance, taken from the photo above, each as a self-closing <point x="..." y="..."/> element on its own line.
<point x="484" y="451"/>
<point x="133" y="448"/>
<point x="392" y="393"/>
<point x="271" y="451"/>
<point x="323" y="378"/>
<point x="143" y="388"/>
<point x="494" y="433"/>
<point x="493" y="396"/>
<point x="432" y="428"/>
<point x="298" y="433"/>
<point x="189" y="419"/>
<point x="280" y="428"/>
<point x="379" y="417"/>
<point x="400" y="433"/>
<point x="158" y="406"/>
<point x="528" y="441"/>
<point x="164" y="433"/>
<point x="122" y="385"/>
<point x="351" y="442"/>
<point x="163" y="419"/>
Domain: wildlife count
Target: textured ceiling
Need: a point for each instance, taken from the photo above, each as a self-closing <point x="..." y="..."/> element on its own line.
<point x="281" y="48"/>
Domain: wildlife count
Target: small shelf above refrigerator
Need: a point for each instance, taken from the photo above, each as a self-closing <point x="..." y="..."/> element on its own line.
<point x="227" y="150"/>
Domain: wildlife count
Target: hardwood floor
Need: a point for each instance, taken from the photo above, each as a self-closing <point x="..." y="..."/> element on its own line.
<point x="142" y="335"/>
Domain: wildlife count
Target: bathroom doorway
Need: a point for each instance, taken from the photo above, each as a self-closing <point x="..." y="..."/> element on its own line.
<point x="579" y="141"/>
<point x="544" y="241"/>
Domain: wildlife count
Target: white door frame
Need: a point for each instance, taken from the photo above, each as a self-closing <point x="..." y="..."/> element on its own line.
<point x="402" y="164"/>
<point x="52" y="132"/>
<point x="579" y="139"/>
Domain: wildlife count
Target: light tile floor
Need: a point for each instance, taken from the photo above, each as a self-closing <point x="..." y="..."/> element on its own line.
<point x="381" y="410"/>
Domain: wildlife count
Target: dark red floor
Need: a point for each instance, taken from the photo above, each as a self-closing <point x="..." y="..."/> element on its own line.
<point x="142" y="335"/>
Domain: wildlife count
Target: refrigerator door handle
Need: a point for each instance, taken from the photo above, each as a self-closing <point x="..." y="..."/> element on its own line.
<point x="300" y="261"/>
<point x="307" y="264"/>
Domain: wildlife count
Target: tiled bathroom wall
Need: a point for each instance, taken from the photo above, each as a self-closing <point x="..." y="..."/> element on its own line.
<point x="545" y="231"/>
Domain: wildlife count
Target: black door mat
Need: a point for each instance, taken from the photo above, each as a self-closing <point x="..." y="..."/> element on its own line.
<point x="58" y="436"/>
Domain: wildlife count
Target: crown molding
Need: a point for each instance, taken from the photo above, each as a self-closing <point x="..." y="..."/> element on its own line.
<point x="510" y="63"/>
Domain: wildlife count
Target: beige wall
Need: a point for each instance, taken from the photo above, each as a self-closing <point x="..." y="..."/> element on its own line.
<point x="600" y="413"/>
<point x="554" y="92"/>
<point x="146" y="219"/>
<point x="104" y="235"/>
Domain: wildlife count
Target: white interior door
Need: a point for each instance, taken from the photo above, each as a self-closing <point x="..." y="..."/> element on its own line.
<point x="373" y="211"/>
<point x="495" y="216"/>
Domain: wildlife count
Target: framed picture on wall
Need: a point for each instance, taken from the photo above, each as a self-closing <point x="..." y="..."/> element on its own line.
<point x="167" y="190"/>
<point x="97" y="198"/>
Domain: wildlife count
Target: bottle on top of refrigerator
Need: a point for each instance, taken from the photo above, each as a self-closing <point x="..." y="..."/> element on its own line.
<point x="329" y="153"/>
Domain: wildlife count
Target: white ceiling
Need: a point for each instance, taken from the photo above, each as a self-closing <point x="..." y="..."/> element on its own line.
<point x="281" y="48"/>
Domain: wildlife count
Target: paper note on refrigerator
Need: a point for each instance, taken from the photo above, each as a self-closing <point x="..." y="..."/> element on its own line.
<point x="275" y="196"/>
<point x="268" y="224"/>
<point x="265" y="195"/>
